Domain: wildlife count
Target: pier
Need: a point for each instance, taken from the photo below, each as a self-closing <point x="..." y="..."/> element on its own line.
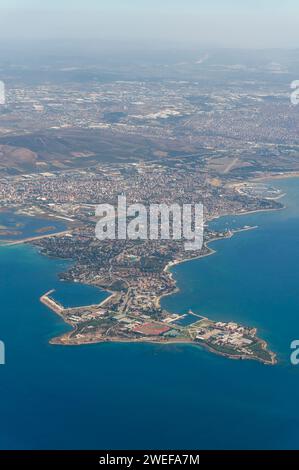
<point x="51" y="303"/>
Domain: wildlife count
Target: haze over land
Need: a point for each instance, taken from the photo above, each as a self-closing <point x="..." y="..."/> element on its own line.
<point x="164" y="103"/>
<point x="155" y="24"/>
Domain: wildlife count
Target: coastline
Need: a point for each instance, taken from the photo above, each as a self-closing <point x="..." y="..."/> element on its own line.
<point x="62" y="340"/>
<point x="211" y="251"/>
<point x="277" y="176"/>
<point x="34" y="238"/>
<point x="65" y="338"/>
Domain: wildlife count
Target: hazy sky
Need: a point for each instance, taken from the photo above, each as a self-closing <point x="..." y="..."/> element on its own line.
<point x="227" y="23"/>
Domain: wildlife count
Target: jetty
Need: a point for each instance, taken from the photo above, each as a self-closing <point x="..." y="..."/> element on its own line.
<point x="51" y="303"/>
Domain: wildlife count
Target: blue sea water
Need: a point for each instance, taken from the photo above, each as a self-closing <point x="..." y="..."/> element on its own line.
<point x="27" y="226"/>
<point x="149" y="396"/>
<point x="69" y="295"/>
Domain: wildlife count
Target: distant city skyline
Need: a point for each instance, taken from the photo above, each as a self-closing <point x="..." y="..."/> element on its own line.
<point x="213" y="23"/>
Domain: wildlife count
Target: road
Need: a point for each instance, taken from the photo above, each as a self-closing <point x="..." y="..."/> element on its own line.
<point x="40" y="237"/>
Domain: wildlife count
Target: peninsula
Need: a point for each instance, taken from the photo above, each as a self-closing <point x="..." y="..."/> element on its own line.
<point x="132" y="313"/>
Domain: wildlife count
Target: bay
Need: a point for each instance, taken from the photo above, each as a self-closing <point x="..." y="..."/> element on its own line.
<point x="128" y="396"/>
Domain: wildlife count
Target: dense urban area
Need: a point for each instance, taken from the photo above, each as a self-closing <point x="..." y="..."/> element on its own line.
<point x="157" y="135"/>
